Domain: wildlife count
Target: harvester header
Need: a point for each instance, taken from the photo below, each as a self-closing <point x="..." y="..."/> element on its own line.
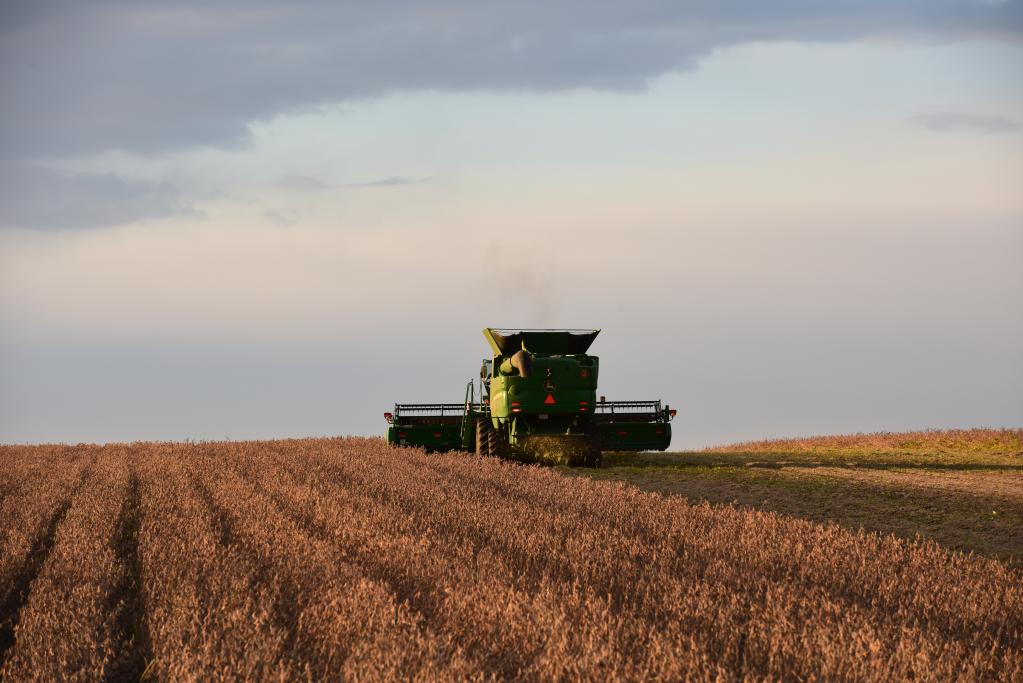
<point x="537" y="400"/>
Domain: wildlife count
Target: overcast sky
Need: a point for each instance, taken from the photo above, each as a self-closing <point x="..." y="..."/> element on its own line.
<point x="248" y="220"/>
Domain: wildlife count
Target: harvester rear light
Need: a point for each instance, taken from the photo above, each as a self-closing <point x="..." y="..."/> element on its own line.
<point x="623" y="433"/>
<point x="584" y="405"/>
<point x="584" y="373"/>
<point x="388" y="416"/>
<point x="402" y="435"/>
<point x="436" y="435"/>
<point x="673" y="412"/>
<point x="515" y="407"/>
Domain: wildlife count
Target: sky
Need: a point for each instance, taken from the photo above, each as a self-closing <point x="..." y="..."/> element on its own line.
<point x="260" y="220"/>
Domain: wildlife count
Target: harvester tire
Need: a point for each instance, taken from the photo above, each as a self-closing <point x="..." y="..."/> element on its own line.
<point x="489" y="442"/>
<point x="484" y="436"/>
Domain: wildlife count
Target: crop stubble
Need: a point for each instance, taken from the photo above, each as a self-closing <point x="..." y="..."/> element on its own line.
<point x="309" y="559"/>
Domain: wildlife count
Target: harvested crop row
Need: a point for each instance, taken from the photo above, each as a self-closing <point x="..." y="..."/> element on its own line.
<point x="849" y="579"/>
<point x="793" y="586"/>
<point x="343" y="558"/>
<point x="342" y="623"/>
<point x="25" y="468"/>
<point x="202" y="619"/>
<point x="30" y="519"/>
<point x="68" y="627"/>
<point x="32" y="479"/>
<point x="467" y="591"/>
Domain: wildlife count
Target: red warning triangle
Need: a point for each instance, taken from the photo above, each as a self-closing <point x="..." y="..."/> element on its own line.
<point x="549" y="400"/>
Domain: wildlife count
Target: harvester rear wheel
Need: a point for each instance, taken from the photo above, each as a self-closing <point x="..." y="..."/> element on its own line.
<point x="484" y="436"/>
<point x="489" y="442"/>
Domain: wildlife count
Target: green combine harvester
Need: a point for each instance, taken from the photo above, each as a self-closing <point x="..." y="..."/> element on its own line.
<point x="535" y="400"/>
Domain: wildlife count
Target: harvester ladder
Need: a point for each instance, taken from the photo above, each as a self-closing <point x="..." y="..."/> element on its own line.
<point x="468" y="430"/>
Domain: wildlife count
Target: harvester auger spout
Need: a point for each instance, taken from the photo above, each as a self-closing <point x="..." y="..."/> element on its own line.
<point x="520" y="363"/>
<point x="535" y="400"/>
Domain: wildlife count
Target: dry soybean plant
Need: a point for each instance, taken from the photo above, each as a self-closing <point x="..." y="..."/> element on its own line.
<point x="344" y="558"/>
<point x="991" y="441"/>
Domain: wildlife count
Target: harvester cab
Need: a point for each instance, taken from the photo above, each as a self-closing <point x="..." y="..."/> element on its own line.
<point x="536" y="400"/>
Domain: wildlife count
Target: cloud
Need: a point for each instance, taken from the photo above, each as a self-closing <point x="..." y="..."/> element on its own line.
<point x="945" y="122"/>
<point x="302" y="183"/>
<point x="280" y="217"/>
<point x="86" y="76"/>
<point x="36" y="197"/>
<point x="392" y="181"/>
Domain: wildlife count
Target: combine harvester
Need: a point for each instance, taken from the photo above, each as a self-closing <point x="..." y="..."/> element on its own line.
<point x="537" y="401"/>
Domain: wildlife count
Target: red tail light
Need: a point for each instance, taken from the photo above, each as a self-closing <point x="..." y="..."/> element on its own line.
<point x="584" y="373"/>
<point x="672" y="412"/>
<point x="388" y="416"/>
<point x="515" y="407"/>
<point x="436" y="435"/>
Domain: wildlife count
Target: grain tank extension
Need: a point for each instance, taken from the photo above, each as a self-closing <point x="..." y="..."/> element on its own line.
<point x="536" y="400"/>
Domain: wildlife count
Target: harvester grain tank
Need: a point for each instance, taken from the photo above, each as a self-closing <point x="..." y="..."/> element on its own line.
<point x="535" y="399"/>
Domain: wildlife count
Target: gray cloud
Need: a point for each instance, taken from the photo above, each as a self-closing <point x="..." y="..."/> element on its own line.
<point x="36" y="197"/>
<point x="81" y="77"/>
<point x="280" y="217"/>
<point x="302" y="183"/>
<point x="944" y="122"/>
<point x="392" y="181"/>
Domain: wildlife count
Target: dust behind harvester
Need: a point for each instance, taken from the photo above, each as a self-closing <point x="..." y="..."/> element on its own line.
<point x="536" y="399"/>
